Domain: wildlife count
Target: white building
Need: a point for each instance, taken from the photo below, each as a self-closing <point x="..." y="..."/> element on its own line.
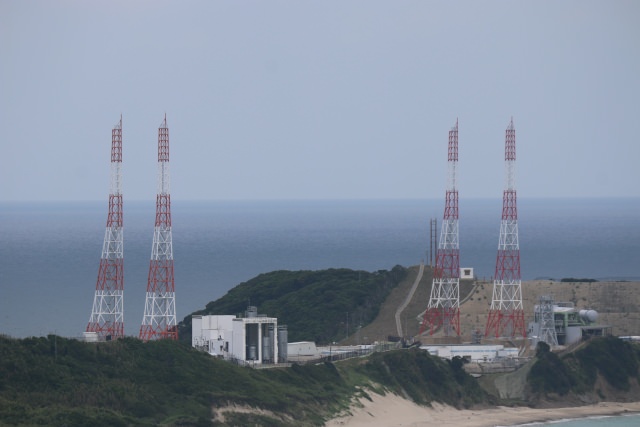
<point x="212" y="333"/>
<point x="253" y="338"/>
<point x="473" y="353"/>
<point x="572" y="325"/>
<point x="466" y="273"/>
<point x="302" y="351"/>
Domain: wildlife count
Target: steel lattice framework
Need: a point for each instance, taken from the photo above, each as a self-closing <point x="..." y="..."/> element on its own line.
<point x="506" y="315"/>
<point x="544" y="314"/>
<point x="159" y="320"/>
<point x="444" y="302"/>
<point x="107" y="315"/>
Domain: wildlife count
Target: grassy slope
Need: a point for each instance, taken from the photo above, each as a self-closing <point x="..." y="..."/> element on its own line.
<point x="59" y="381"/>
<point x="313" y="304"/>
<point x="66" y="382"/>
<point x="384" y="324"/>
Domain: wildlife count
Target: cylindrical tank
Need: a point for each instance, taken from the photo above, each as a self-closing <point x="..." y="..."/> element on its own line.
<point x="252" y="334"/>
<point x="253" y="352"/>
<point x="271" y="338"/>
<point x="252" y="311"/>
<point x="283" y="339"/>
<point x="589" y="315"/>
<point x="266" y="349"/>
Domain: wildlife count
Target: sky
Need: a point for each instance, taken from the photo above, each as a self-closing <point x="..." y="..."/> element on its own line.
<point x="319" y="100"/>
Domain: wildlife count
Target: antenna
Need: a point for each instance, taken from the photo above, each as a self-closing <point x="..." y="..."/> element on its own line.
<point x="159" y="320"/>
<point x="506" y="315"/>
<point x="107" y="317"/>
<point x="443" y="309"/>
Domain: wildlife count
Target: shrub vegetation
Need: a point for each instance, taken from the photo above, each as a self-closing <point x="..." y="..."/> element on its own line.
<point x="616" y="360"/>
<point x="313" y="304"/>
<point x="58" y="381"/>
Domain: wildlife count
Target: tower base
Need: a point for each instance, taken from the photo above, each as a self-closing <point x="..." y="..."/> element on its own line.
<point x="505" y="324"/>
<point x="445" y="319"/>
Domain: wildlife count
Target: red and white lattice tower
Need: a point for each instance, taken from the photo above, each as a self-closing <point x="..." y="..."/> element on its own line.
<point x="159" y="320"/>
<point x="506" y="315"/>
<point x="444" y="303"/>
<point x="107" y="315"/>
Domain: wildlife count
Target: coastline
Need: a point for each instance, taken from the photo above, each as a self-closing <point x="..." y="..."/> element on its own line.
<point x="392" y="410"/>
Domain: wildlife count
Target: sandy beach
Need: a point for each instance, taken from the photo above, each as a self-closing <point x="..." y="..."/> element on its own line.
<point x="394" y="411"/>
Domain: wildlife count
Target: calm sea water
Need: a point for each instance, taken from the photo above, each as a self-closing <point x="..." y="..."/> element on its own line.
<point x="49" y="252"/>
<point x="616" y="421"/>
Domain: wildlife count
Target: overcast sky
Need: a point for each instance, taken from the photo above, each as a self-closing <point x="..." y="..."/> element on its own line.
<point x="316" y="100"/>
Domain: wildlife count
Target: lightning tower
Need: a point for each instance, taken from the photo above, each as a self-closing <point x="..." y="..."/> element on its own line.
<point x="444" y="303"/>
<point x="506" y="315"/>
<point x="159" y="320"/>
<point x="107" y="316"/>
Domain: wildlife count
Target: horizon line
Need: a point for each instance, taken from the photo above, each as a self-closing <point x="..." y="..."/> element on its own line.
<point x="316" y="199"/>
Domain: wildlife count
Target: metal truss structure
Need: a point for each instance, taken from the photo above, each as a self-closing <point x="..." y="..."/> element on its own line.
<point x="443" y="309"/>
<point x="506" y="315"/>
<point x="159" y="320"/>
<point x="544" y="314"/>
<point x="107" y="315"/>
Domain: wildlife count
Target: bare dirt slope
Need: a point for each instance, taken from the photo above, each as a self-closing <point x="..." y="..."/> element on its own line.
<point x="618" y="305"/>
<point x="385" y="324"/>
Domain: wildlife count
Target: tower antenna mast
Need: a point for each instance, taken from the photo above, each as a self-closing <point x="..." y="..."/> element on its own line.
<point x="444" y="302"/>
<point x="107" y="315"/>
<point x="159" y="320"/>
<point x="506" y="315"/>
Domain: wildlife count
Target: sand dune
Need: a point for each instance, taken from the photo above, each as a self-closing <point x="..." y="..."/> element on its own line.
<point x="394" y="411"/>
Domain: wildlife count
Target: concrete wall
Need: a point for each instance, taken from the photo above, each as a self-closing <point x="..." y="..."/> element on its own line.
<point x="238" y="345"/>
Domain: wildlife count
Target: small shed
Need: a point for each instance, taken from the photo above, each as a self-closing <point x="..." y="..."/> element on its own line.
<point x="466" y="273"/>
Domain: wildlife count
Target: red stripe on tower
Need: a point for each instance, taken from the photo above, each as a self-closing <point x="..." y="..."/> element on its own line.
<point x="506" y="315"/>
<point x="159" y="320"/>
<point x="443" y="310"/>
<point x="107" y="315"/>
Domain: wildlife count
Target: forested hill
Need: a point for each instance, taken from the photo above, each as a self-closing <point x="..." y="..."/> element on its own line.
<point x="59" y="381"/>
<point x="603" y="369"/>
<point x="313" y="304"/>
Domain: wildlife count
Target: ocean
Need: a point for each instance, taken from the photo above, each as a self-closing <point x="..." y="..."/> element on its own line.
<point x="598" y="421"/>
<point x="49" y="252"/>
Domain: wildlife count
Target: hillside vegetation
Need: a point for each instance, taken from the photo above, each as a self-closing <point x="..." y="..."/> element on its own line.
<point x="57" y="381"/>
<point x="313" y="304"/>
<point x="604" y="366"/>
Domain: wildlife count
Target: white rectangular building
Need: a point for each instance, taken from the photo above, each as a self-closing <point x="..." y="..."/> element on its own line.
<point x="474" y="353"/>
<point x="212" y="333"/>
<point x="254" y="338"/>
